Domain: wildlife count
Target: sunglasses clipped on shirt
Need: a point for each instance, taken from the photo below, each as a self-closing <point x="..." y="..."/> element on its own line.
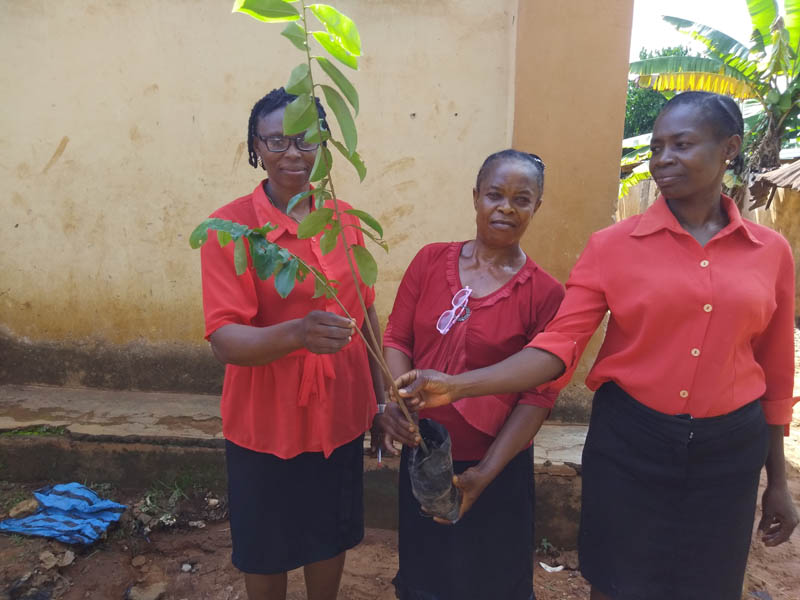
<point x="281" y="143"/>
<point x="449" y="317"/>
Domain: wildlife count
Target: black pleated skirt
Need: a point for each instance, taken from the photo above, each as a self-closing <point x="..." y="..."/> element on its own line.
<point x="487" y="555"/>
<point x="668" y="501"/>
<point x="288" y="513"/>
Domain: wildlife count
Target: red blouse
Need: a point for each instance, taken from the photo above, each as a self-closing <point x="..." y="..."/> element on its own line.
<point x="302" y="402"/>
<point x="496" y="326"/>
<point x="693" y="329"/>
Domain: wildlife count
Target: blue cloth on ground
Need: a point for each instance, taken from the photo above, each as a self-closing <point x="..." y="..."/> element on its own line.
<point x="68" y="512"/>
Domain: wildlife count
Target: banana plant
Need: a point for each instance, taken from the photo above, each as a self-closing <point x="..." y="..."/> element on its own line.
<point x="340" y="42"/>
<point x="766" y="73"/>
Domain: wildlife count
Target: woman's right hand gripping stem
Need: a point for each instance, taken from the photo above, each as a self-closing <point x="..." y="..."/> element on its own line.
<point x="324" y="332"/>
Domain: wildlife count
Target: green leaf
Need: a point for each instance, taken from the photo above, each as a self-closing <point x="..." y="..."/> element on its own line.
<point x="223" y="238"/>
<point x="339" y="25"/>
<point x="792" y="23"/>
<point x="340" y="80"/>
<point x="299" y="115"/>
<point x="322" y="164"/>
<point x="240" y="255"/>
<point x="299" y="81"/>
<point x="367" y="218"/>
<point x="199" y="236"/>
<point x="294" y="200"/>
<point x="317" y="134"/>
<point x="265" y="257"/>
<point x="354" y="159"/>
<point x="295" y="34"/>
<point x="263" y="231"/>
<point x="328" y="240"/>
<point x="336" y="50"/>
<point x="367" y="267"/>
<point x="302" y="271"/>
<point x="343" y="117"/>
<point x="284" y="280"/>
<point x="762" y="14"/>
<point x="322" y="285"/>
<point x="314" y="222"/>
<point x="373" y="237"/>
<point x="269" y="11"/>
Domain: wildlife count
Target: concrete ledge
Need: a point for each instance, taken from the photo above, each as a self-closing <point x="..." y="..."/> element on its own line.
<point x="136" y="439"/>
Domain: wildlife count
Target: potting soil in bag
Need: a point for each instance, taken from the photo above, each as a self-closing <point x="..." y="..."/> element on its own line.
<point x="432" y="474"/>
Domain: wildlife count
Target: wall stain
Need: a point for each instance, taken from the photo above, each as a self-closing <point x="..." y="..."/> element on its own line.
<point x="150" y="89"/>
<point x="134" y="134"/>
<point x="405" y="186"/>
<point x="397" y="165"/>
<point x="23" y="170"/>
<point x="57" y="154"/>
<point x="401" y="210"/>
<point x="237" y="157"/>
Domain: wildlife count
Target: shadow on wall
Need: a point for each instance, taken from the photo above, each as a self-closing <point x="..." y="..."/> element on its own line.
<point x="168" y="367"/>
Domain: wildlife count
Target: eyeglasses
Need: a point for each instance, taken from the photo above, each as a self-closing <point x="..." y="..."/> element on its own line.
<point x="451" y="315"/>
<point x="280" y="143"/>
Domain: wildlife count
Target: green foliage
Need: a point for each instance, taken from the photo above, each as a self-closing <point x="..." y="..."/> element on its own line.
<point x="342" y="42"/>
<point x="767" y="71"/>
<point x="642" y="105"/>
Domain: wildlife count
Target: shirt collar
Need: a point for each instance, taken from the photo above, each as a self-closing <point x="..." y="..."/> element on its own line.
<point x="659" y="217"/>
<point x="267" y="212"/>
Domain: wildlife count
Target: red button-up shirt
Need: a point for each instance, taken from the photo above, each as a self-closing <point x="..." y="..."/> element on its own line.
<point x="493" y="328"/>
<point x="693" y="330"/>
<point x="302" y="402"/>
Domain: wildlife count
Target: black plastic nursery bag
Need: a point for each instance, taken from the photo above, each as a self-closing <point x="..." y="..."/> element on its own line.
<point x="432" y="474"/>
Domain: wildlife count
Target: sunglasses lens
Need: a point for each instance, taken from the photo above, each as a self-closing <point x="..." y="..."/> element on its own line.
<point x="445" y="321"/>
<point x="461" y="297"/>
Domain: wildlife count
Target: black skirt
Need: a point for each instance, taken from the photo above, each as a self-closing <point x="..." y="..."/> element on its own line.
<point x="668" y="501"/>
<point x="487" y="555"/>
<point x="288" y="513"/>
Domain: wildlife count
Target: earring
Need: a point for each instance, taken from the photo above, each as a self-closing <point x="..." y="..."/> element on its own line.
<point x="261" y="162"/>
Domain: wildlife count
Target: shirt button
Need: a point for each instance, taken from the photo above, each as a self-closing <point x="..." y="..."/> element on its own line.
<point x="684" y="394"/>
<point x="703" y="263"/>
<point x="708" y="308"/>
<point x="695" y="351"/>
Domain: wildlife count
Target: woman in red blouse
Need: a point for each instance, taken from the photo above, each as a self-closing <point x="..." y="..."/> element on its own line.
<point x="694" y="378"/>
<point x="299" y="388"/>
<point x="462" y="306"/>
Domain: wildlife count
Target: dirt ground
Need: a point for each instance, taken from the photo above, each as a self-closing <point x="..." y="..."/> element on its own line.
<point x="190" y="558"/>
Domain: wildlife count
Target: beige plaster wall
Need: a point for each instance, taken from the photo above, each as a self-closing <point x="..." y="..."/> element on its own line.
<point x="572" y="66"/>
<point x="124" y="125"/>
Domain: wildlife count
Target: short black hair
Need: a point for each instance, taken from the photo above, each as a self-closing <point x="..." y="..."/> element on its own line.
<point x="511" y="154"/>
<point x="277" y="98"/>
<point x="721" y="112"/>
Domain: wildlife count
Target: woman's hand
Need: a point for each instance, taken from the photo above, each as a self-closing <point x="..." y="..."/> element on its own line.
<point x="393" y="426"/>
<point x="471" y="482"/>
<point x="426" y="388"/>
<point x="325" y="333"/>
<point x="778" y="515"/>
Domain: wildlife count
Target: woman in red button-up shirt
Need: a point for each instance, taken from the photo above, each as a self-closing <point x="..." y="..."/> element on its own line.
<point x="299" y="388"/>
<point x="694" y="378"/>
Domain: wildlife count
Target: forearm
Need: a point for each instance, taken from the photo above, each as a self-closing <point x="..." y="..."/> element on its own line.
<point x="398" y="362"/>
<point x="519" y="429"/>
<point x="776" y="463"/>
<point x="374" y="367"/>
<point x="249" y="346"/>
<point x="528" y="368"/>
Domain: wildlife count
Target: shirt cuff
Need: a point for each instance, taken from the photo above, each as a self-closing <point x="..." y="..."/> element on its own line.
<point x="779" y="412"/>
<point x="564" y="348"/>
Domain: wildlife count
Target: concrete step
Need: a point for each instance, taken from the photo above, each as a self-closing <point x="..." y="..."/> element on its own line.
<point x="132" y="439"/>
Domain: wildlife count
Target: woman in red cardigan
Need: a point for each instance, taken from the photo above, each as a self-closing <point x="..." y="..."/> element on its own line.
<point x="694" y="379"/>
<point x="461" y="306"/>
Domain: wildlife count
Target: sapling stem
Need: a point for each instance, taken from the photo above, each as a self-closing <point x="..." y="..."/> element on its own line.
<point x="372" y="344"/>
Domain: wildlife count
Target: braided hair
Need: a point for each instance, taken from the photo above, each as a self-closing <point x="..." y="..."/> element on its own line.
<point x="511" y="154"/>
<point x="277" y="98"/>
<point x="721" y="113"/>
